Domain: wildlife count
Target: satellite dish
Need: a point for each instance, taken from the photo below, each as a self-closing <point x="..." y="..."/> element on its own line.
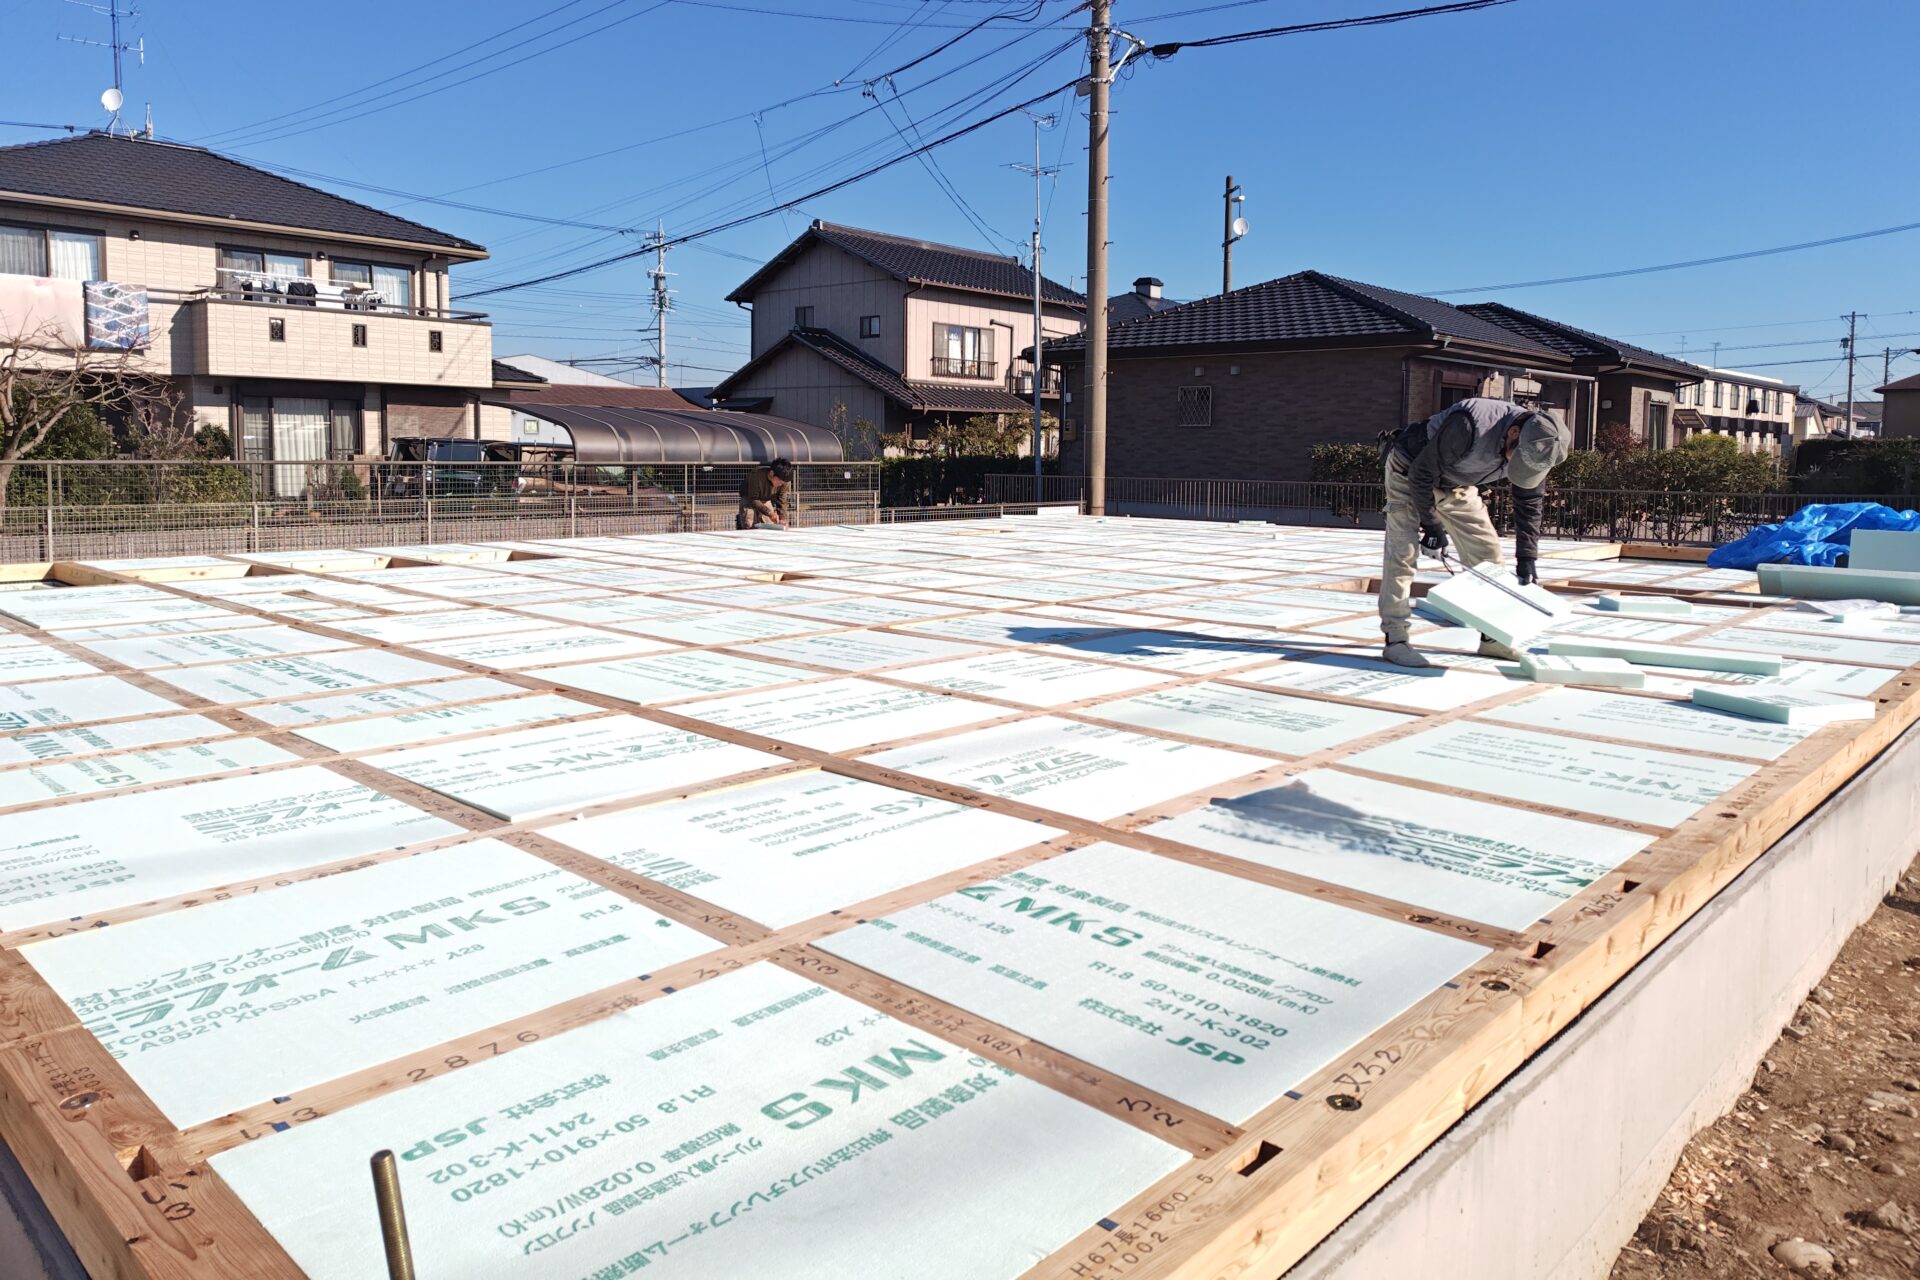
<point x="1239" y="227"/>
<point x="113" y="99"/>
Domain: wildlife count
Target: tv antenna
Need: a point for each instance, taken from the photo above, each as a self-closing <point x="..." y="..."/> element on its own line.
<point x="114" y="98"/>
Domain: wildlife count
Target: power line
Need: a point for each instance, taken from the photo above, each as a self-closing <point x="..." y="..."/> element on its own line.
<point x="1166" y="49"/>
<point x="1765" y="324"/>
<point x="953" y="111"/>
<point x="861" y="176"/>
<point x="1691" y="262"/>
<point x="1805" y="342"/>
<point x="323" y="123"/>
<point x="398" y="75"/>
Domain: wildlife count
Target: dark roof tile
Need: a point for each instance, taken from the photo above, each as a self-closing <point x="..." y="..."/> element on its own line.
<point x="168" y="177"/>
<point x="1304" y="309"/>
<point x="920" y="262"/>
<point x="937" y="397"/>
<point x="504" y="372"/>
<point x="1579" y="344"/>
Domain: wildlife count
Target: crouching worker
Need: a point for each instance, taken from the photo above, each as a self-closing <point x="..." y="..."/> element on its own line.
<point x="763" y="496"/>
<point x="1434" y="472"/>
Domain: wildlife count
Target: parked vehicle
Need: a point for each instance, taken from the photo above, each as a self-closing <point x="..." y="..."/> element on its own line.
<point x="451" y="468"/>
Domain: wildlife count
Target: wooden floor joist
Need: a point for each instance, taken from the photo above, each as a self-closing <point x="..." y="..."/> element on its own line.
<point x="1249" y="1193"/>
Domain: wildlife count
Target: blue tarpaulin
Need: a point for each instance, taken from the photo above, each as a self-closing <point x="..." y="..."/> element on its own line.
<point x="1819" y="534"/>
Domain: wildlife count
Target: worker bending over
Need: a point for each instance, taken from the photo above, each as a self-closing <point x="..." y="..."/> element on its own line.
<point x="1435" y="470"/>
<point x="763" y="496"/>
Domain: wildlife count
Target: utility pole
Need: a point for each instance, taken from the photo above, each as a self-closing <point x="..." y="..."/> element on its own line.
<point x="1232" y="227"/>
<point x="1100" y="85"/>
<point x="1039" y="438"/>
<point x="1853" y="324"/>
<point x="661" y="301"/>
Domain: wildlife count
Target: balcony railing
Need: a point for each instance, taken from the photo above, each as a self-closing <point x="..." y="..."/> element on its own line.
<point x="325" y="295"/>
<point x="955" y="367"/>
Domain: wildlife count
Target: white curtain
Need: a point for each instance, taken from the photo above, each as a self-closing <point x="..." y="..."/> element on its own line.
<point x="75" y="256"/>
<point x="299" y="435"/>
<point x="395" y="285"/>
<point x="23" y="251"/>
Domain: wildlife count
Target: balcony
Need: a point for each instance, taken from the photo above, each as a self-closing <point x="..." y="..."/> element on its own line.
<point x="331" y="339"/>
<point x="957" y="367"/>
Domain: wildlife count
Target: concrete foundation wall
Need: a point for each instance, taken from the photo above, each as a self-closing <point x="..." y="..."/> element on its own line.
<point x="1548" y="1178"/>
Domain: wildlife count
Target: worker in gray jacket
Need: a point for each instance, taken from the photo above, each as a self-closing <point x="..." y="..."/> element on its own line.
<point x="1434" y="472"/>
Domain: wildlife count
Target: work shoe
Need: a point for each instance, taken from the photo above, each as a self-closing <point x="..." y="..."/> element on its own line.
<point x="1402" y="654"/>
<point x="1491" y="648"/>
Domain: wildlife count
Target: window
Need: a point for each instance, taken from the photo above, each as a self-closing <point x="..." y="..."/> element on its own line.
<point x="47" y="251"/>
<point x="1719" y="389"/>
<point x="434" y="340"/>
<point x="962" y="352"/>
<point x="393" y="284"/>
<point x="1196" y="406"/>
<point x="869" y="326"/>
<point x="276" y="331"/>
<point x="803" y="317"/>
<point x="1657" y="418"/>
<point x="359" y="335"/>
<point x="237" y="264"/>
<point x="297" y="432"/>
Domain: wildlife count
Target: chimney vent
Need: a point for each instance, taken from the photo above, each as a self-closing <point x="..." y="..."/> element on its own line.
<point x="1147" y="287"/>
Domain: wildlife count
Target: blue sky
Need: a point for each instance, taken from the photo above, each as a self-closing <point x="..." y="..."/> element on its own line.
<point x="1543" y="138"/>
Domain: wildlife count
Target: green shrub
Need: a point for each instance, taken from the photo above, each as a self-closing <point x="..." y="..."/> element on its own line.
<point x="1346" y="463"/>
<point x="1869" y="467"/>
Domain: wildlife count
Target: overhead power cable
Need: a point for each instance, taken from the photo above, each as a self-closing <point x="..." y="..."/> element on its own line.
<point x="755" y="216"/>
<point x="1167" y="48"/>
<point x="398" y="75"/>
<point x="1690" y="262"/>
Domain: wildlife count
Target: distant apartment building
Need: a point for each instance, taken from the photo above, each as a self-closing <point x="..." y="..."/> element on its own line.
<point x="309" y="326"/>
<point x="1753" y="409"/>
<point x="862" y="326"/>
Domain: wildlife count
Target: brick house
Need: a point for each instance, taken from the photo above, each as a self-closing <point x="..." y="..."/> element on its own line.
<point x="1632" y="386"/>
<point x="1244" y="384"/>
<point x="900" y="333"/>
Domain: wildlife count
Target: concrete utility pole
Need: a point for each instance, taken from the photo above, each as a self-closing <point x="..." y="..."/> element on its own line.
<point x="1100" y="78"/>
<point x="661" y="301"/>
<point x="1853" y="323"/>
<point x="1231" y="229"/>
<point x="1039" y="438"/>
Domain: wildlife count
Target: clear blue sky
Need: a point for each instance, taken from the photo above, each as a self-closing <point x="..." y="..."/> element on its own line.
<point x="1540" y="139"/>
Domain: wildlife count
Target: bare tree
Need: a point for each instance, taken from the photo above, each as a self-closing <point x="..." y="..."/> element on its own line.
<point x="43" y="378"/>
<point x="158" y="425"/>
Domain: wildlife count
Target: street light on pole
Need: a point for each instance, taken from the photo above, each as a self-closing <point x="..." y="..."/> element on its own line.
<point x="1233" y="229"/>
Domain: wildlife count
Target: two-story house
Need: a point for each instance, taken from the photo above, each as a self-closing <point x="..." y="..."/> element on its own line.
<point x="857" y="326"/>
<point x="308" y="325"/>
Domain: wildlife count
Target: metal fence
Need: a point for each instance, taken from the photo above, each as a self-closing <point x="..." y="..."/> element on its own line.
<point x="92" y="510"/>
<point x="1612" y="515"/>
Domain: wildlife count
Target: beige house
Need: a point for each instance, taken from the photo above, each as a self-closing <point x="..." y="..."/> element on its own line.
<point x="308" y="325"/>
<point x="859" y="326"/>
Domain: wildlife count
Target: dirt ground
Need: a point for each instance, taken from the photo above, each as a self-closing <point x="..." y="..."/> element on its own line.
<point x="1816" y="1170"/>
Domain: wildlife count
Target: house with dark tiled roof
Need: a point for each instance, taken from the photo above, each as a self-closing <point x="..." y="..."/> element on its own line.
<point x="309" y="326"/>
<point x="855" y="326"/>
<point x="1648" y="393"/>
<point x="1245" y="384"/>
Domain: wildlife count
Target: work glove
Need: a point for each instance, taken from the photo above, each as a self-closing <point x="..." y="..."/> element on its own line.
<point x="1524" y="569"/>
<point x="1433" y="538"/>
